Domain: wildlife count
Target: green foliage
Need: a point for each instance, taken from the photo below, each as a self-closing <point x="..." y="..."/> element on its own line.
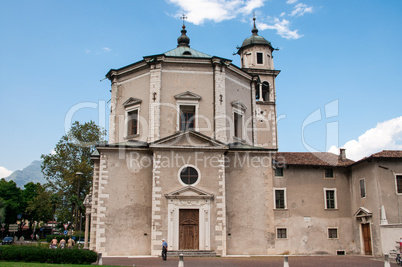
<point x="72" y="155"/>
<point x="2" y="210"/>
<point x="41" y="254"/>
<point x="11" y="196"/>
<point x="33" y="202"/>
<point x="39" y="205"/>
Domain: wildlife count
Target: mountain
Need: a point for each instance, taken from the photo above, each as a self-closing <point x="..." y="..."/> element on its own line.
<point x="32" y="173"/>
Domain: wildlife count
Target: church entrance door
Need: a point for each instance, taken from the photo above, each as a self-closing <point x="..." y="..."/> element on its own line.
<point x="188" y="229"/>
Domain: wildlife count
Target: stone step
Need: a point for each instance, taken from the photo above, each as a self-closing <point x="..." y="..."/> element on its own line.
<point x="191" y="253"/>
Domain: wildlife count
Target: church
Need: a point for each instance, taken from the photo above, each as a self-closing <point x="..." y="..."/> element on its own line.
<point x="193" y="158"/>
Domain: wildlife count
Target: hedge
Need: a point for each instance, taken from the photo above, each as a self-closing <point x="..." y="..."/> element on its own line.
<point x="47" y="255"/>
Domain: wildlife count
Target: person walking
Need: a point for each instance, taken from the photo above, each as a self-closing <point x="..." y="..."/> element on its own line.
<point x="62" y="243"/>
<point x="70" y="243"/>
<point x="53" y="243"/>
<point x="164" y="249"/>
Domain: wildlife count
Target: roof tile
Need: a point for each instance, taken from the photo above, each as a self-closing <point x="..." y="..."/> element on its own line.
<point x="312" y="159"/>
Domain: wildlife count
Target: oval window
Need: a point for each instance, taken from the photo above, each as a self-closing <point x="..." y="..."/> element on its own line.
<point x="189" y="175"/>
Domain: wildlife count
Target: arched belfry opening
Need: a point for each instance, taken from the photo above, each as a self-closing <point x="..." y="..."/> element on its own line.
<point x="265" y="91"/>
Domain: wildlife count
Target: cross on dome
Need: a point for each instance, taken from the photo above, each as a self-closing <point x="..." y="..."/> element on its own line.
<point x="254" y="30"/>
<point x="183" y="17"/>
<point x="183" y="40"/>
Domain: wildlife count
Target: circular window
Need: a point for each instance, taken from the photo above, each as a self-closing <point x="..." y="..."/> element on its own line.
<point x="189" y="175"/>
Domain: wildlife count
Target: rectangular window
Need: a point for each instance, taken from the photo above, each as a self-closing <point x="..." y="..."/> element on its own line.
<point x="330" y="198"/>
<point x="259" y="58"/>
<point x="132" y="122"/>
<point x="399" y="184"/>
<point x="332" y="233"/>
<point x="238" y="121"/>
<point x="280" y="199"/>
<point x="187" y="118"/>
<point x="281" y="233"/>
<point x="279" y="172"/>
<point x="362" y="188"/>
<point x="329" y="173"/>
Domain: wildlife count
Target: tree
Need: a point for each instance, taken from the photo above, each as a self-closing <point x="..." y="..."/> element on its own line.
<point x="2" y="211"/>
<point x="30" y="191"/>
<point x="69" y="169"/>
<point x="11" y="196"/>
<point x="40" y="207"/>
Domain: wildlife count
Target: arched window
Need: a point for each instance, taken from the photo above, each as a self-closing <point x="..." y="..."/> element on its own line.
<point x="257" y="92"/>
<point x="265" y="91"/>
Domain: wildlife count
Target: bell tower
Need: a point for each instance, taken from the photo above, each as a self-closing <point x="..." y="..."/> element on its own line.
<point x="256" y="58"/>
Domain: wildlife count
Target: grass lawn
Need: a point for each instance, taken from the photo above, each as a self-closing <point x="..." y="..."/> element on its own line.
<point x="34" y="264"/>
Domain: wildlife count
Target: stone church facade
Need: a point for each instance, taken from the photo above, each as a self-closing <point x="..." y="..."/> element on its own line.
<point x="193" y="159"/>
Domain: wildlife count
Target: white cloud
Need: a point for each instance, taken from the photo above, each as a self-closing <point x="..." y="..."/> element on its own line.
<point x="282" y="28"/>
<point x="106" y="49"/>
<point x="251" y="5"/>
<point x="198" y="11"/>
<point x="4" y="172"/>
<point x="301" y="9"/>
<point x="386" y="135"/>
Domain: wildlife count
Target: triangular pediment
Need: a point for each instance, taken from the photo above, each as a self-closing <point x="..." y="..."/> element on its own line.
<point x="189" y="192"/>
<point x="363" y="212"/>
<point x="131" y="102"/>
<point x="238" y="104"/>
<point x="188" y="139"/>
<point x="187" y="96"/>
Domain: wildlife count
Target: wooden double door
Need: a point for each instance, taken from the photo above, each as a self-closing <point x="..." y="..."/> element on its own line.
<point x="188" y="229"/>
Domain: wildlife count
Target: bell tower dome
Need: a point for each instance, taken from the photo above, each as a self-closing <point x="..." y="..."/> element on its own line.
<point x="256" y="59"/>
<point x="256" y="52"/>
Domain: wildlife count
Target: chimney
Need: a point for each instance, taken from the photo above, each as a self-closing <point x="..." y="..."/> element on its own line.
<point x="342" y="154"/>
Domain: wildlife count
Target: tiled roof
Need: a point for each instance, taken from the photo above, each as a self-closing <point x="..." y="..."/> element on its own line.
<point x="387" y="154"/>
<point x="390" y="154"/>
<point x="312" y="159"/>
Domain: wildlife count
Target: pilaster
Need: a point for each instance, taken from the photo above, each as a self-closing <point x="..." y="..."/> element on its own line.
<point x="113" y="115"/>
<point x="102" y="196"/>
<point x="156" y="232"/>
<point x="253" y="111"/>
<point x="94" y="206"/>
<point x="155" y="102"/>
<point x="220" y="227"/>
<point x="220" y="102"/>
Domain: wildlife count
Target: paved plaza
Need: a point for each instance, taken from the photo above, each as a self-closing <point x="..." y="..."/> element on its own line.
<point x="275" y="261"/>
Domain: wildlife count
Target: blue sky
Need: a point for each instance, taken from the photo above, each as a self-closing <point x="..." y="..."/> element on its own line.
<point x="340" y="62"/>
